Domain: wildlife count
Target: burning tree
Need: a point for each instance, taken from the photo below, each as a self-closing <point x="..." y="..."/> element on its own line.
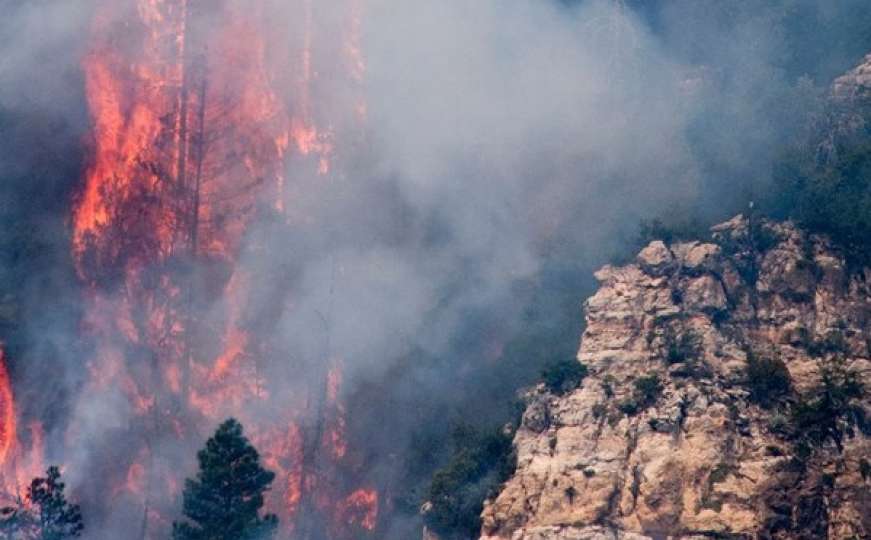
<point x="44" y="513"/>
<point x="191" y="142"/>
<point x="224" y="501"/>
<point x="18" y="461"/>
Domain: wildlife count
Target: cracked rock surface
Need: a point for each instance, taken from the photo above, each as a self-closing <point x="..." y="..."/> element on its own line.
<point x="699" y="459"/>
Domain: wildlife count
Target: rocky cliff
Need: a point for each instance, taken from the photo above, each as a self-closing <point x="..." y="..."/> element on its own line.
<point x="726" y="398"/>
<point x="855" y="84"/>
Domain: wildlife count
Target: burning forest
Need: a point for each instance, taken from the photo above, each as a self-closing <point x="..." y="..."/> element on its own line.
<point x="193" y="131"/>
<point x="191" y="141"/>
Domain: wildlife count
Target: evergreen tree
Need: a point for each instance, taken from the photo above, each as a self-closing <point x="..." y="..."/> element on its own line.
<point x="44" y="514"/>
<point x="224" y="500"/>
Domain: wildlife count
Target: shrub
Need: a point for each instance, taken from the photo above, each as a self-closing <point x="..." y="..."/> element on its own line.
<point x="832" y="196"/>
<point x="768" y="379"/>
<point x="685" y="348"/>
<point x="646" y="390"/>
<point x="681" y="347"/>
<point x="865" y="469"/>
<point x="599" y="410"/>
<point x="720" y="473"/>
<point x="761" y="236"/>
<point x="744" y="250"/>
<point x="833" y="342"/>
<point x="830" y="412"/>
<point x="778" y="424"/>
<point x="608" y="385"/>
<point x="481" y="461"/>
<point x="563" y="376"/>
<point x="629" y="406"/>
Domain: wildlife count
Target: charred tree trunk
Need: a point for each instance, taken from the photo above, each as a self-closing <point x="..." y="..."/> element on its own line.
<point x="199" y="141"/>
<point x="191" y="149"/>
<point x="309" y="523"/>
<point x="182" y="135"/>
<point x="311" y="526"/>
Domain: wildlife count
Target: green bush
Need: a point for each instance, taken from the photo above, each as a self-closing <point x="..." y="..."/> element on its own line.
<point x="761" y="236"/>
<point x="681" y="347"/>
<point x="563" y="376"/>
<point x="831" y="196"/>
<point x="830" y="412"/>
<point x="629" y="406"/>
<point x="767" y="378"/>
<point x="685" y="348"/>
<point x="744" y="250"/>
<point x="481" y="461"/>
<point x="833" y="342"/>
<point x="646" y="390"/>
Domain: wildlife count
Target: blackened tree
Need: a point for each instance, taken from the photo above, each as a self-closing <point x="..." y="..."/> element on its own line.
<point x="224" y="501"/>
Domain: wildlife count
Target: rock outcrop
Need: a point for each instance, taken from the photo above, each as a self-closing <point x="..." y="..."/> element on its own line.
<point x="855" y="84"/>
<point x="845" y="114"/>
<point x="673" y="434"/>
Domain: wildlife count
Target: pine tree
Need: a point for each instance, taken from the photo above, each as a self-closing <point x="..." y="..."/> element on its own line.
<point x="224" y="500"/>
<point x="44" y="514"/>
<point x="57" y="518"/>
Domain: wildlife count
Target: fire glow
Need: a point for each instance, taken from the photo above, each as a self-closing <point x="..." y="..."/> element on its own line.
<point x="192" y="134"/>
<point x="19" y="462"/>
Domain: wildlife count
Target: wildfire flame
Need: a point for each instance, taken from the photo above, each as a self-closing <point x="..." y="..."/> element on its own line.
<point x="18" y="463"/>
<point x="7" y="411"/>
<point x="359" y="508"/>
<point x="191" y="138"/>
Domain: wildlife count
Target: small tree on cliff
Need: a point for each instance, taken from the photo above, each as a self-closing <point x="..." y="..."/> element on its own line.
<point x="44" y="514"/>
<point x="224" y="501"/>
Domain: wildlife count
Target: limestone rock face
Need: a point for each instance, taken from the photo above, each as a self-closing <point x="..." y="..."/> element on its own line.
<point x="856" y="83"/>
<point x="656" y="259"/>
<point x="689" y="454"/>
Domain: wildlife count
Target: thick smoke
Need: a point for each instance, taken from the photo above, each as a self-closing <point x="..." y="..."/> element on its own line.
<point x="489" y="126"/>
<point x="497" y="134"/>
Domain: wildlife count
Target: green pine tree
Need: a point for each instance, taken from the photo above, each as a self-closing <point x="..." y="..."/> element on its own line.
<point x="223" y="502"/>
<point x="44" y="514"/>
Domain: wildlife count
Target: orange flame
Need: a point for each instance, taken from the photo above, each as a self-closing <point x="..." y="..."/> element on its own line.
<point x="7" y="411"/>
<point x="359" y="508"/>
<point x="18" y="464"/>
<point x="190" y="142"/>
